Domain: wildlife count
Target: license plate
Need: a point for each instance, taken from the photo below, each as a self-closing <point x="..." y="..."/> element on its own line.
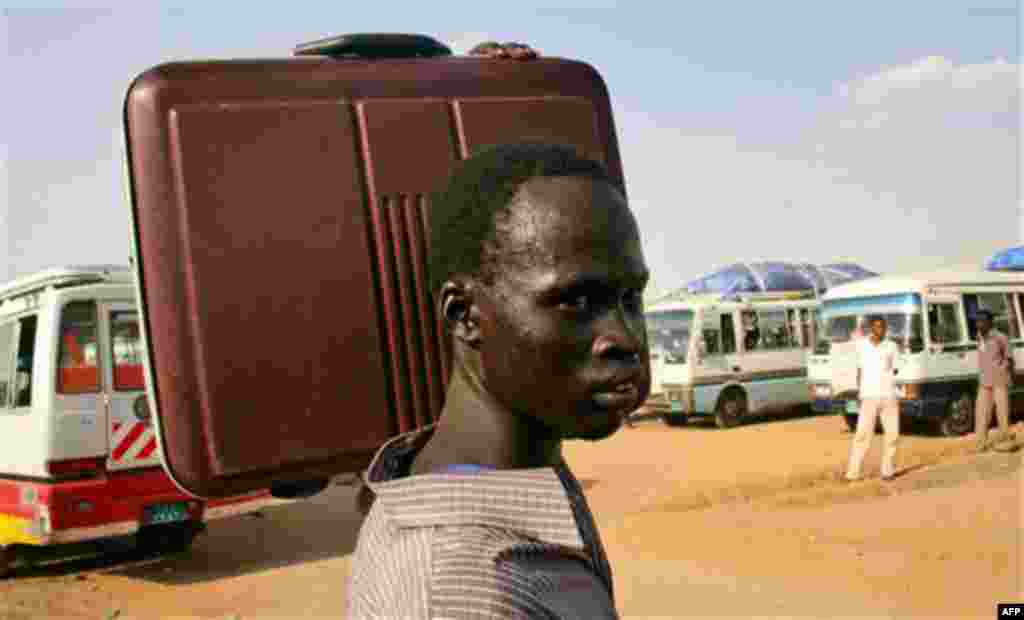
<point x="164" y="513"/>
<point x="852" y="406"/>
<point x="676" y="406"/>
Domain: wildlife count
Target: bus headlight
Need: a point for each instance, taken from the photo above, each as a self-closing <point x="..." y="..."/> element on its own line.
<point x="40" y="527"/>
<point x="679" y="400"/>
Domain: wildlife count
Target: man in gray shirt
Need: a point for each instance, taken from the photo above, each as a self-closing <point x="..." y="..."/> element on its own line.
<point x="995" y="365"/>
<point x="538" y="273"/>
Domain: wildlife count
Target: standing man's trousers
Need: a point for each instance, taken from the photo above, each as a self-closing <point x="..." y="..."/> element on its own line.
<point x="997" y="396"/>
<point x="871" y="409"/>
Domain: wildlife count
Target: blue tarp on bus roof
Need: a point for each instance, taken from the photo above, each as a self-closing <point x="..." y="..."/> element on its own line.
<point x="1010" y="259"/>
<point x="771" y="276"/>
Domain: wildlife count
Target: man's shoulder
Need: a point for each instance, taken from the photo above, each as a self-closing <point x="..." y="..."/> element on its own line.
<point x="384" y="549"/>
<point x="865" y="346"/>
<point x="387" y="555"/>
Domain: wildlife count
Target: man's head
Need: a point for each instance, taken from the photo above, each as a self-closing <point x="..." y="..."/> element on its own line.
<point x="983" y="319"/>
<point x="538" y="270"/>
<point x="878" y="327"/>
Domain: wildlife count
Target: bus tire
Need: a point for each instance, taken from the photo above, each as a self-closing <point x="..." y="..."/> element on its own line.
<point x="959" y="418"/>
<point x="731" y="409"/>
<point x="167" y="538"/>
<point x="851" y="423"/>
<point x="6" y="561"/>
<point x="675" y="419"/>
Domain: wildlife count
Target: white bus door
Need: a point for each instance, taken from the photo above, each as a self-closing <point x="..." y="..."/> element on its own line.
<point x="132" y="438"/>
<point x="946" y="324"/>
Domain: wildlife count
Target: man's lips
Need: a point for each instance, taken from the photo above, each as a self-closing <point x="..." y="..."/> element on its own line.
<point x="622" y="396"/>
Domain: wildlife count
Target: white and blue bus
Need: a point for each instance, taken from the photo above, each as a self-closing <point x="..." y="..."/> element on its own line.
<point x="730" y="356"/>
<point x="931" y="316"/>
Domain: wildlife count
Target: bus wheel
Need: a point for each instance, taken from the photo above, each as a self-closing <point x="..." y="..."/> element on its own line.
<point x="731" y="409"/>
<point x="959" y="418"/>
<point x="675" y="419"/>
<point x="167" y="538"/>
<point x="6" y="561"/>
<point x="851" y="423"/>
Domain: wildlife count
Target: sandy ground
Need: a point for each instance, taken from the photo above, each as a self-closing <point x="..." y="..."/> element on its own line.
<point x="697" y="522"/>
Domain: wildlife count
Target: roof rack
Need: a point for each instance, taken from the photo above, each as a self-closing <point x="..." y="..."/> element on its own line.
<point x="70" y="275"/>
<point x="684" y="297"/>
<point x="770" y="296"/>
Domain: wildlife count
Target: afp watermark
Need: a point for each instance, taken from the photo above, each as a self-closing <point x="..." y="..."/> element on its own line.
<point x="1010" y="610"/>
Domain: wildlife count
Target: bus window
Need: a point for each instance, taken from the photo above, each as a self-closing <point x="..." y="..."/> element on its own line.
<point x="807" y="331"/>
<point x="6" y="364"/>
<point x="77" y="362"/>
<point x="1000" y="305"/>
<point x="1012" y="318"/>
<point x="712" y="341"/>
<point x="793" y="326"/>
<point x="728" y="335"/>
<point x="908" y="332"/>
<point x="863" y="328"/>
<point x="774" y="328"/>
<point x="668" y="334"/>
<point x="905" y="330"/>
<point x="126" y="347"/>
<point x="841" y="329"/>
<point x="751" y="331"/>
<point x="25" y="359"/>
<point x="1019" y="308"/>
<point x="944" y="324"/>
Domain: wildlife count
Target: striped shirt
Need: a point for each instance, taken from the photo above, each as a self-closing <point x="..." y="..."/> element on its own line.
<point x="492" y="544"/>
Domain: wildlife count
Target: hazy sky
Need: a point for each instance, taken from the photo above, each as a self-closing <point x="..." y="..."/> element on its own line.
<point x="884" y="133"/>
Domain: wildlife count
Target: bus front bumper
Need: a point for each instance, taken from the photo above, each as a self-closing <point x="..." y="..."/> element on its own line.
<point x="909" y="408"/>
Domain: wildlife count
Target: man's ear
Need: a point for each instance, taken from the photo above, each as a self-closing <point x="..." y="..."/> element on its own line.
<point x="460" y="312"/>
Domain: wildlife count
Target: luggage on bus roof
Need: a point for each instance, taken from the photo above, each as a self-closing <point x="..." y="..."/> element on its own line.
<point x="1010" y="259"/>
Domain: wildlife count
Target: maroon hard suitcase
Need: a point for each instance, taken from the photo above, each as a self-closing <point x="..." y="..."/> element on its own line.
<point x="280" y="210"/>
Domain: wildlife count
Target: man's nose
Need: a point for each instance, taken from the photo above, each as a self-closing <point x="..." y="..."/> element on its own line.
<point x="617" y="339"/>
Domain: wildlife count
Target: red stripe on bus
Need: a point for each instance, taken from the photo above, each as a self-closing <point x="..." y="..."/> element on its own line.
<point x="133" y="435"/>
<point x="149" y="449"/>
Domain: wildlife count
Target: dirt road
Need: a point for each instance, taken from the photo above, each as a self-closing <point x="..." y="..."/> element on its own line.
<point x="697" y="522"/>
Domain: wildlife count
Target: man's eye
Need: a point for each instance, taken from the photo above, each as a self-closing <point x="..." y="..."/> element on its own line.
<point x="579" y="303"/>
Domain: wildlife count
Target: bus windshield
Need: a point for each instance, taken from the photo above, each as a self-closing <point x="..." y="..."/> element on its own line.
<point x="903" y="328"/>
<point x="668" y="334"/>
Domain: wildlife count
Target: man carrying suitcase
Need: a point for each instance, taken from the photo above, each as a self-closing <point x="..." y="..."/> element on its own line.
<point x="537" y="269"/>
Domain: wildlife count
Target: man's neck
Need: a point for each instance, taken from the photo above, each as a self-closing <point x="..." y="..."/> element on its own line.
<point x="475" y="429"/>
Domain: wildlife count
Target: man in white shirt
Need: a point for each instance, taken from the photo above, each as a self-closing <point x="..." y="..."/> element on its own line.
<point x="876" y="371"/>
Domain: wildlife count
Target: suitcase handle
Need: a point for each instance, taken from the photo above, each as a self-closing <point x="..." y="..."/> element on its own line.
<point x="369" y="45"/>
